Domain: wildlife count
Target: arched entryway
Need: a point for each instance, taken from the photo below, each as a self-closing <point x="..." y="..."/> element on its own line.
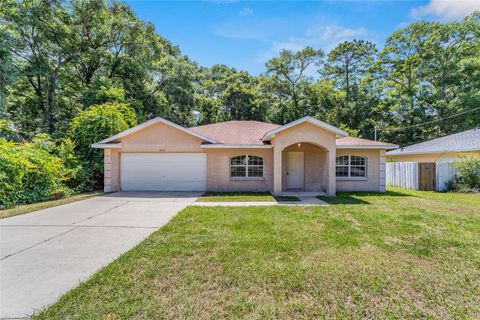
<point x="304" y="167"/>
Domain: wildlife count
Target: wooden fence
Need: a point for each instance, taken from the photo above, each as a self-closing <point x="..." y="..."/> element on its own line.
<point x="402" y="174"/>
<point x="446" y="171"/>
<point x="420" y="175"/>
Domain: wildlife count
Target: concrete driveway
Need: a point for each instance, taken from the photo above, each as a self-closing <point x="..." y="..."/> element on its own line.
<point x="46" y="253"/>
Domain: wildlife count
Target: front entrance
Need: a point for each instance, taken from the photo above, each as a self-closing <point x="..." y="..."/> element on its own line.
<point x="295" y="170"/>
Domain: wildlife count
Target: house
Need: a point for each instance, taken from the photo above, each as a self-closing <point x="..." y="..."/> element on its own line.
<point x="303" y="155"/>
<point x="444" y="149"/>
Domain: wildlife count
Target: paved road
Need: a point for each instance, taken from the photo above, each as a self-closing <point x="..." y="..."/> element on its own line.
<point x="46" y="253"/>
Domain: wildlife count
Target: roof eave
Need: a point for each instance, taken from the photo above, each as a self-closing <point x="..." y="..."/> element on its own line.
<point x="367" y="147"/>
<point x="106" y="145"/>
<point x="401" y="153"/>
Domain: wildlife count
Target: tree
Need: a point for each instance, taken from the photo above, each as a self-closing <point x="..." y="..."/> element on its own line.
<point x="96" y="123"/>
<point x="231" y="95"/>
<point x="64" y="52"/>
<point x="423" y="70"/>
<point x="348" y="64"/>
<point x="289" y="77"/>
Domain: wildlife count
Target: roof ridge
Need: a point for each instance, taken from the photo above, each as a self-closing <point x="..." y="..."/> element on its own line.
<point x="223" y="122"/>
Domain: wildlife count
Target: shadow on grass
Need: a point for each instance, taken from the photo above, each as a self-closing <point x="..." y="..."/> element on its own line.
<point x="286" y="198"/>
<point x="357" y="197"/>
<point x="236" y="194"/>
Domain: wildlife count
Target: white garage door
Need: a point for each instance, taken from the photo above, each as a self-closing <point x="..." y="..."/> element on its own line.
<point x="163" y="172"/>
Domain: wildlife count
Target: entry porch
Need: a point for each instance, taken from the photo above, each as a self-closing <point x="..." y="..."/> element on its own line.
<point x="304" y="169"/>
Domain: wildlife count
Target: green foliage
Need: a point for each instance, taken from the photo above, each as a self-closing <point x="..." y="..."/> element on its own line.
<point x="289" y="80"/>
<point x="95" y="124"/>
<point x="29" y="173"/>
<point x="7" y="131"/>
<point x="468" y="175"/>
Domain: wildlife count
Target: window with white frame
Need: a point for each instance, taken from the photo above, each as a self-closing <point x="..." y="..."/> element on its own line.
<point x="351" y="167"/>
<point x="246" y="167"/>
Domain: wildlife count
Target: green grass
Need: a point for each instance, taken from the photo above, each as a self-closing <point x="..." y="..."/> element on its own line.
<point x="404" y="254"/>
<point x="26" y="208"/>
<point x="236" y="197"/>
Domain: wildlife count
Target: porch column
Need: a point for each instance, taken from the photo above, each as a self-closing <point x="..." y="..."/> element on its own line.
<point x="332" y="180"/>
<point x="277" y="170"/>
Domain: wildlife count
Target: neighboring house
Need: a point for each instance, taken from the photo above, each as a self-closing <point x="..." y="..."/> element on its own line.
<point x="444" y="149"/>
<point x="303" y="155"/>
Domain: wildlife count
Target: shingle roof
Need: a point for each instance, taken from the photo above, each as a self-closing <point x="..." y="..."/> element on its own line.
<point x="463" y="141"/>
<point x="251" y="133"/>
<point x="360" y="142"/>
<point x="236" y="132"/>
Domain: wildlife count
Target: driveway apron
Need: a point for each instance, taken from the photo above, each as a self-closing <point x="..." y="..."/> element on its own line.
<point x="44" y="254"/>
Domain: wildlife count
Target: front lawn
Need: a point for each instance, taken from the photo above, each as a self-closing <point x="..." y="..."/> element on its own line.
<point x="27" y="208"/>
<point x="405" y="254"/>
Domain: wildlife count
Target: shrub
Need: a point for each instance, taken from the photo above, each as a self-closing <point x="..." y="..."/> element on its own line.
<point x="468" y="175"/>
<point x="29" y="173"/>
<point x="95" y="124"/>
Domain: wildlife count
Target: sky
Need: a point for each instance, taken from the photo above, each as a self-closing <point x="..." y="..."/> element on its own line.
<point x="245" y="34"/>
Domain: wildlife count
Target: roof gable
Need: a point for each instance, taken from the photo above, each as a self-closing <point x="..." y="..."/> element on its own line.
<point x="148" y="124"/>
<point x="339" y="132"/>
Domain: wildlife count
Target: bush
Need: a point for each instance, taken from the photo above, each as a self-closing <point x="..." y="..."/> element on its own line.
<point x="29" y="173"/>
<point x="95" y="124"/>
<point x="468" y="175"/>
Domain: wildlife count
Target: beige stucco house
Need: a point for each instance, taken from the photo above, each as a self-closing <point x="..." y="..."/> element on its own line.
<point x="304" y="155"/>
<point x="444" y="149"/>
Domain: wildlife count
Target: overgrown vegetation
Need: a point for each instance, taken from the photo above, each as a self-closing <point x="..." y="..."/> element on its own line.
<point x="29" y="173"/>
<point x="45" y="169"/>
<point x="401" y="255"/>
<point x="468" y="175"/>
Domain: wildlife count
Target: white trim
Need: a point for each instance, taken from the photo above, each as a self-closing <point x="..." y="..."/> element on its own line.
<point x="106" y="145"/>
<point x="316" y="122"/>
<point x="401" y="153"/>
<point x="367" y="147"/>
<point x="151" y="122"/>
<point x="235" y="146"/>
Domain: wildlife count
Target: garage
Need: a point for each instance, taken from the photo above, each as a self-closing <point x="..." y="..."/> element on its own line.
<point x="163" y="172"/>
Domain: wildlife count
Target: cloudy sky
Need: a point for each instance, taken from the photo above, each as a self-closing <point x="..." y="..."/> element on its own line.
<point x="245" y="34"/>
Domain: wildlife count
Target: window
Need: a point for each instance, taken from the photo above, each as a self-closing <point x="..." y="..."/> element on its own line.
<point x="351" y="167"/>
<point x="246" y="167"/>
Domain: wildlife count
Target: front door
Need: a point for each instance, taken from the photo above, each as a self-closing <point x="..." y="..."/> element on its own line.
<point x="295" y="170"/>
